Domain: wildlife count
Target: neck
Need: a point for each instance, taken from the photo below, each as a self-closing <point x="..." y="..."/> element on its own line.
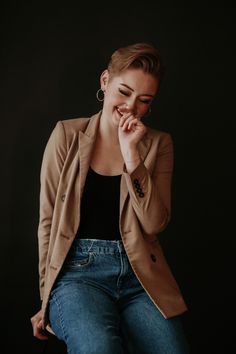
<point x="108" y="131"/>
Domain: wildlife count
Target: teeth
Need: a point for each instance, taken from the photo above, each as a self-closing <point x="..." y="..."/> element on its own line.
<point x="119" y="111"/>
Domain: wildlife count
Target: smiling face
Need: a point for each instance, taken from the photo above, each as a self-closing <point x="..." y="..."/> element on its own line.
<point x="131" y="91"/>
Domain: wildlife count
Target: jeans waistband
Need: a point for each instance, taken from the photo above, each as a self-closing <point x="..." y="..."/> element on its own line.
<point x="100" y="246"/>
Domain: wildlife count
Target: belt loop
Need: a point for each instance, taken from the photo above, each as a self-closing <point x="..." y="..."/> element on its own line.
<point x="91" y="245"/>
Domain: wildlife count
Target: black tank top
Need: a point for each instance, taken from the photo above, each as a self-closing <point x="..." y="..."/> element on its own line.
<point x="99" y="217"/>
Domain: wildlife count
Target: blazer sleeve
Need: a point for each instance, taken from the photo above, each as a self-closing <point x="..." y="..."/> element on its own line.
<point x="51" y="167"/>
<point x="151" y="194"/>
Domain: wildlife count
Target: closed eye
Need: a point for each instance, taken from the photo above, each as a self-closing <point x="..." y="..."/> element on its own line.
<point x="124" y="92"/>
<point x="145" y="101"/>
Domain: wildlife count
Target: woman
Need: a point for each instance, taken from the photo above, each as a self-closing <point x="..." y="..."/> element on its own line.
<point x="105" y="196"/>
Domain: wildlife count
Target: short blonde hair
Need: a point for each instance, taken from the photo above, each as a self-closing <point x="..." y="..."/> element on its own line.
<point x="139" y="55"/>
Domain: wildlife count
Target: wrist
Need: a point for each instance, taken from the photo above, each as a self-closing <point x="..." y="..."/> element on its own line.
<point x="132" y="164"/>
<point x="130" y="153"/>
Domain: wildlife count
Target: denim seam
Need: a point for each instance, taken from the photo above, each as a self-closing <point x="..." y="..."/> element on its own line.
<point x="118" y="283"/>
<point x="60" y="316"/>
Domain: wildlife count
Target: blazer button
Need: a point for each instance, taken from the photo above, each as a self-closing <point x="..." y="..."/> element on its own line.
<point x="136" y="183"/>
<point x="153" y="257"/>
<point x="141" y="194"/>
<point x="63" y="197"/>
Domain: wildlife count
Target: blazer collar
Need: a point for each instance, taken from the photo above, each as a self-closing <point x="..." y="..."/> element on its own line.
<point x="90" y="133"/>
<point x="86" y="142"/>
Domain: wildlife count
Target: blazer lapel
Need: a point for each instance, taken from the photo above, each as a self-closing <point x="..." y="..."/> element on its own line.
<point x="86" y="144"/>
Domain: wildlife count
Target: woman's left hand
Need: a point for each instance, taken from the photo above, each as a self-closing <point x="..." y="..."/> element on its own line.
<point x="130" y="131"/>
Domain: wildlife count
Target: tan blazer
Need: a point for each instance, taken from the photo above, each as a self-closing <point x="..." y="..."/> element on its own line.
<point x="145" y="198"/>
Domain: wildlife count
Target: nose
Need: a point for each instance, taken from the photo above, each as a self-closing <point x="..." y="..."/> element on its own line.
<point x="130" y="106"/>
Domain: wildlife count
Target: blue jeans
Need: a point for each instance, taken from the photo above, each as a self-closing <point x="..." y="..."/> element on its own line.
<point x="98" y="305"/>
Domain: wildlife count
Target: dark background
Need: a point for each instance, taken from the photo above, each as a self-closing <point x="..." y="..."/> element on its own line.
<point x="51" y="57"/>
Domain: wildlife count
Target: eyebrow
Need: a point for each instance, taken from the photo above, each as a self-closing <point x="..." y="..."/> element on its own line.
<point x="145" y="94"/>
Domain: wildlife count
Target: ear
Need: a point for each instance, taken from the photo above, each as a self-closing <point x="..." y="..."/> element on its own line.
<point x="104" y="78"/>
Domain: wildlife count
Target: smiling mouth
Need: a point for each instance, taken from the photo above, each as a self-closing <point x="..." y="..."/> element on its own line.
<point x="121" y="113"/>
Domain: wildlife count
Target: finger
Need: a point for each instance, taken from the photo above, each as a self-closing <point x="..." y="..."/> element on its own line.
<point x="125" y="125"/>
<point x="41" y="336"/>
<point x="39" y="332"/>
<point x="130" y="122"/>
<point x="124" y="118"/>
<point x="40" y="324"/>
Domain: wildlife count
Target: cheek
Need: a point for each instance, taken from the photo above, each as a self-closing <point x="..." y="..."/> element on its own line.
<point x="112" y="98"/>
<point x="142" y="110"/>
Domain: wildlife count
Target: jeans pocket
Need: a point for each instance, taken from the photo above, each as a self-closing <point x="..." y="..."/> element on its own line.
<point x="79" y="260"/>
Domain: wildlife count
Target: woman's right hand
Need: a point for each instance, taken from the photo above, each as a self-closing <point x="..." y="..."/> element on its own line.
<point x="37" y="324"/>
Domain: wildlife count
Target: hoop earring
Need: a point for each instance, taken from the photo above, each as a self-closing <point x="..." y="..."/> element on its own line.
<point x="100" y="99"/>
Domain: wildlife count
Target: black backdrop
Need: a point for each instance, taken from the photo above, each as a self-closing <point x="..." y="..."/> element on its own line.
<point x="51" y="59"/>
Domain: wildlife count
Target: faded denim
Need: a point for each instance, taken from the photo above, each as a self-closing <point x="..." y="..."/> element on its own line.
<point x="98" y="306"/>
